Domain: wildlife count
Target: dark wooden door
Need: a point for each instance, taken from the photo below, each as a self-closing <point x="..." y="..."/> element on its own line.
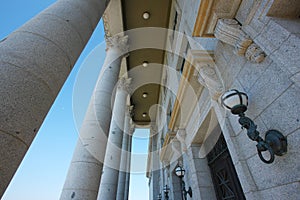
<point x="225" y="179"/>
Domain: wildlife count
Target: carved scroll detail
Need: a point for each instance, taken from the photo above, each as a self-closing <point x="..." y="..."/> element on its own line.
<point x="230" y="32"/>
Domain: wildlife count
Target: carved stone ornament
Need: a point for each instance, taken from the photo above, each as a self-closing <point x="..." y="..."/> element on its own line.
<point x="229" y="31"/>
<point x="255" y="54"/>
<point x="124" y="84"/>
<point x="106" y="25"/>
<point x="207" y="73"/>
<point x="210" y="11"/>
<point x="117" y="42"/>
<point x="209" y="78"/>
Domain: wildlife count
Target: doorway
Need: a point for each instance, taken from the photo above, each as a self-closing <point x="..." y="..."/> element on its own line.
<point x="226" y="183"/>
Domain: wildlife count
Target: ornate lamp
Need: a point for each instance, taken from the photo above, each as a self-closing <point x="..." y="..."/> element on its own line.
<point x="180" y="172"/>
<point x="275" y="142"/>
<point x="166" y="190"/>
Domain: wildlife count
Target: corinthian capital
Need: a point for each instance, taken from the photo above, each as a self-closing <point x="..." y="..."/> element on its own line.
<point x="124" y="84"/>
<point x="118" y="42"/>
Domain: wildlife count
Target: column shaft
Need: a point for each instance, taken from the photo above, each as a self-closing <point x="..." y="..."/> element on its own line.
<point x="155" y="163"/>
<point x="123" y="162"/>
<point x="109" y="180"/>
<point x="124" y="157"/>
<point x="127" y="182"/>
<point x="35" y="61"/>
<point x="84" y="174"/>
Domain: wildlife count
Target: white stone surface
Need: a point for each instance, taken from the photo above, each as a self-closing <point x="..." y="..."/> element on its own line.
<point x="123" y="172"/>
<point x="91" y="147"/>
<point x="109" y="181"/>
<point x="35" y="61"/>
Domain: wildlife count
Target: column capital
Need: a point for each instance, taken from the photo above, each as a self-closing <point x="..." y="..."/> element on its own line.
<point x="124" y="84"/>
<point x="117" y="42"/>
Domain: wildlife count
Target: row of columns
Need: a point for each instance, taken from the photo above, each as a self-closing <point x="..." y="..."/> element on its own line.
<point x="35" y="61"/>
<point x="100" y="165"/>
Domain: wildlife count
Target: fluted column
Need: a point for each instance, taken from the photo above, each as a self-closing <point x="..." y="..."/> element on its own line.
<point x="35" y="61"/>
<point x="124" y="157"/>
<point x="109" y="180"/>
<point x="84" y="174"/>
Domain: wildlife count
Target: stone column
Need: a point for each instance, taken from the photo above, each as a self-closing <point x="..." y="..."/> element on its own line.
<point x="128" y="166"/>
<point x="84" y="174"/>
<point x="35" y="61"/>
<point x="109" y="180"/>
<point x="155" y="161"/>
<point x="123" y="162"/>
<point x="124" y="157"/>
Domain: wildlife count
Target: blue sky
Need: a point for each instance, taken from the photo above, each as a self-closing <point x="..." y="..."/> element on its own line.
<point x="42" y="173"/>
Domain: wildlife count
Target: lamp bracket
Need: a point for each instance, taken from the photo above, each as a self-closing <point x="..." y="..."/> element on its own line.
<point x="275" y="142"/>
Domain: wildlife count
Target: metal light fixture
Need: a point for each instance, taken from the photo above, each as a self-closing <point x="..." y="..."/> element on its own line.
<point x="145" y="94"/>
<point x="159" y="196"/>
<point x="145" y="63"/>
<point x="146" y="15"/>
<point x="275" y="142"/>
<point x="180" y="172"/>
<point x="166" y="190"/>
<point x="144" y="115"/>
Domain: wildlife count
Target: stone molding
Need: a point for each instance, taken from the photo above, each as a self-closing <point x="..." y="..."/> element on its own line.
<point x="119" y="42"/>
<point x="207" y="72"/>
<point x="230" y="32"/>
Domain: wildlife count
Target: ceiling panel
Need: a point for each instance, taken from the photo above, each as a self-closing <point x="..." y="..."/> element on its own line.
<point x="145" y="79"/>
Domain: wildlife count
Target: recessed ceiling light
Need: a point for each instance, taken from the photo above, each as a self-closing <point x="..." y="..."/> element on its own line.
<point x="145" y="94"/>
<point x="146" y="15"/>
<point x="144" y="115"/>
<point x="145" y="63"/>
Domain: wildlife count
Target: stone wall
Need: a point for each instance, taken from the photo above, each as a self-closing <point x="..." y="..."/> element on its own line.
<point x="274" y="93"/>
<point x="273" y="87"/>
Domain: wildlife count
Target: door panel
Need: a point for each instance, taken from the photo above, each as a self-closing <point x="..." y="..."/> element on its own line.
<point x="225" y="179"/>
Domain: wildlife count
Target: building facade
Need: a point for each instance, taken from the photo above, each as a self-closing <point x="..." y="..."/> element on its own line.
<point x="251" y="46"/>
<point x="168" y="65"/>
